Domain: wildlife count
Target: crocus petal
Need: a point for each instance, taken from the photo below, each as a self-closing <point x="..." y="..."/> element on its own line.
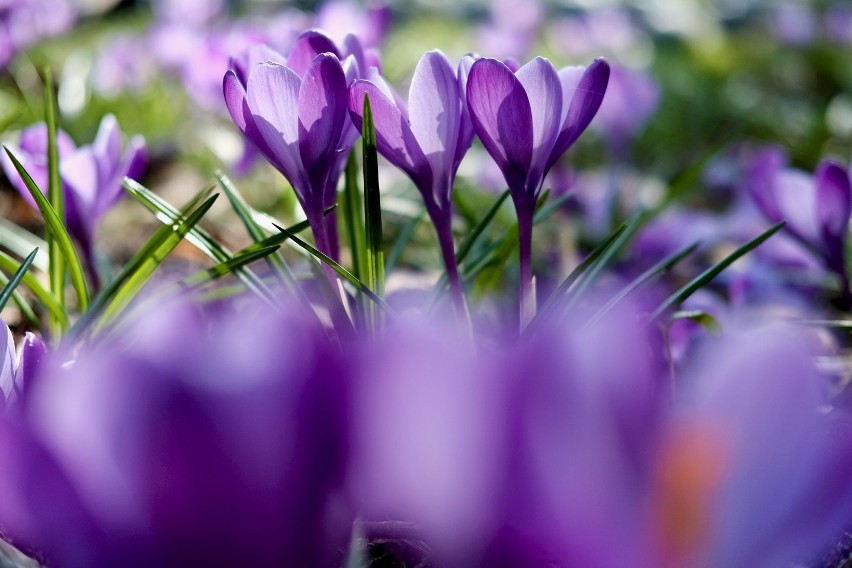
<point x="793" y="191"/>
<point x="34" y="141"/>
<point x="374" y="76"/>
<point x="132" y="164"/>
<point x="235" y="98"/>
<point x="760" y="173"/>
<point x="107" y="146"/>
<point x="7" y="365"/>
<point x="833" y="202"/>
<point x="544" y="92"/>
<point x="569" y="77"/>
<point x="352" y="47"/>
<point x="248" y="59"/>
<point x="394" y="138"/>
<point x="307" y="46"/>
<point x="435" y="111"/>
<point x="466" y="129"/>
<point x="80" y="175"/>
<point x="30" y="360"/>
<point x="273" y="95"/>
<point x="322" y="107"/>
<point x="502" y="118"/>
<point x="585" y="102"/>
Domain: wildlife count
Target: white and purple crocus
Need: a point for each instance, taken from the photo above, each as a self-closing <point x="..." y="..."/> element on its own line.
<point x="427" y="140"/>
<point x="526" y="120"/>
<point x="294" y="110"/>
<point x="91" y="175"/>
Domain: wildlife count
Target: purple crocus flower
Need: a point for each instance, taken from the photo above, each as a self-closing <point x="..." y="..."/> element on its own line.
<point x="817" y="208"/>
<point x="294" y="110"/>
<point x="194" y="440"/>
<point x="526" y="120"/>
<point x="91" y="175"/>
<point x="427" y="141"/>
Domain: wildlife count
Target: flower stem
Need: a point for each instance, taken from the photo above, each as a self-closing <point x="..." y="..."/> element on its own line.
<point x="445" y="241"/>
<point x="527" y="299"/>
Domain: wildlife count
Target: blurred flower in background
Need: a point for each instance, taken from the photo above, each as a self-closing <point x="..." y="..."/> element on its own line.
<point x="25" y="22"/>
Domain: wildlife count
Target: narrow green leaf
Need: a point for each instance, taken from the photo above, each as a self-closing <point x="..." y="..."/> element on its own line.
<point x="556" y="297"/>
<point x="20" y="242"/>
<point x="121" y="290"/>
<point x="58" y="234"/>
<point x="354" y="217"/>
<point x="337" y="268"/>
<point x="702" y="318"/>
<point x="143" y="265"/>
<point x="42" y="294"/>
<point x="22" y="304"/>
<point x="372" y="203"/>
<point x="401" y="241"/>
<point x="244" y="212"/>
<point x="7" y="291"/>
<point x="705" y="277"/>
<point x="467" y="244"/>
<point x="56" y="266"/>
<point x="664" y="265"/>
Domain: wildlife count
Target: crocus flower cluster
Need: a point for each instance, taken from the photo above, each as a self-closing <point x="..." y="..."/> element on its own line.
<point x="91" y="175"/>
<point x="18" y="375"/>
<point x="247" y="438"/>
<point x="526" y="118"/>
<point x="294" y="111"/>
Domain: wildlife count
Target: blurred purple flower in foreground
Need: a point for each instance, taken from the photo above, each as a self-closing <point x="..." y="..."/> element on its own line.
<point x="427" y="141"/>
<point x="91" y="174"/>
<point x="188" y="442"/>
<point x="526" y="120"/>
<point x="249" y="439"/>
<point x="24" y="22"/>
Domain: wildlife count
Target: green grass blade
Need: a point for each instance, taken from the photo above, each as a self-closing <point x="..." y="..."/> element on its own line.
<point x="146" y="262"/>
<point x="467" y="244"/>
<point x="705" y="277"/>
<point x="142" y="265"/>
<point x="242" y="258"/>
<point x="664" y="265"/>
<point x="42" y="294"/>
<point x="244" y="212"/>
<point x="22" y="304"/>
<point x="20" y="242"/>
<point x="401" y="240"/>
<point x="7" y="291"/>
<point x="565" y="286"/>
<point x="354" y="217"/>
<point x="56" y="198"/>
<point x="372" y="203"/>
<point x="57" y="234"/>
<point x="337" y="268"/>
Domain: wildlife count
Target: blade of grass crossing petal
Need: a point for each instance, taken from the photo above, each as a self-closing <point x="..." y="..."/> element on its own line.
<point x="659" y="268"/>
<point x="361" y="286"/>
<point x="42" y="294"/>
<point x="59" y="234"/>
<point x="705" y="277"/>
<point x="9" y="288"/>
<point x="56" y="265"/>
